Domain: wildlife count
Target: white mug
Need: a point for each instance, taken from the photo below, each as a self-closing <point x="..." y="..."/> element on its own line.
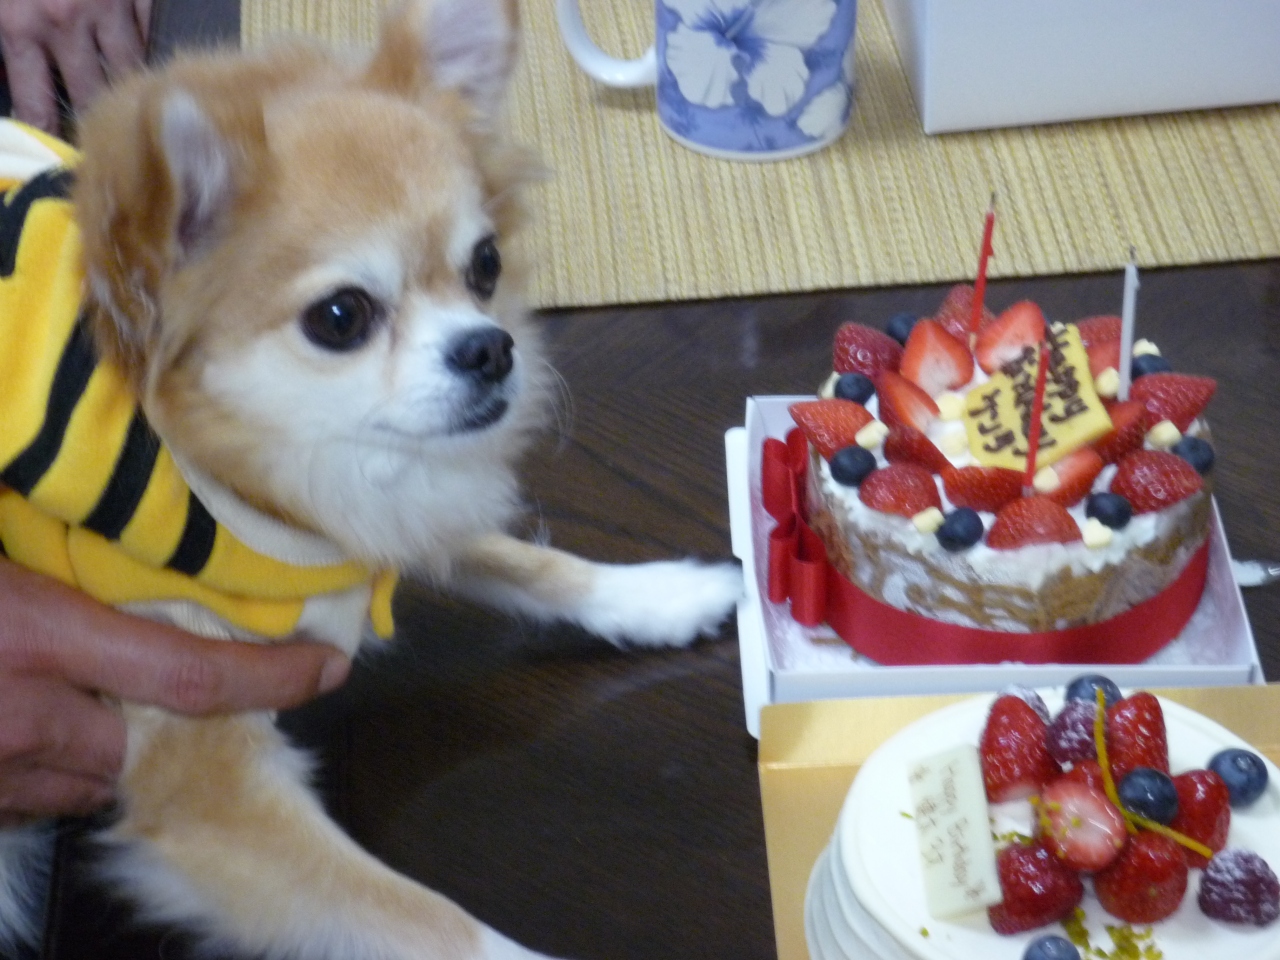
<point x="738" y="79"/>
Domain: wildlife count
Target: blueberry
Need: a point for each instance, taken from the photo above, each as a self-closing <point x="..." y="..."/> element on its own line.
<point x="961" y="529"/>
<point x="1197" y="452"/>
<point x="1051" y="948"/>
<point x="1085" y="687"/>
<point x="855" y="387"/>
<point x="851" y="465"/>
<point x="1148" y="363"/>
<point x="900" y="325"/>
<point x="1109" y="509"/>
<point x="1149" y="793"/>
<point x="1243" y="772"/>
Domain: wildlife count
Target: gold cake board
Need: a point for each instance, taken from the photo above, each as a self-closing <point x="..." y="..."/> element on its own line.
<point x="630" y="216"/>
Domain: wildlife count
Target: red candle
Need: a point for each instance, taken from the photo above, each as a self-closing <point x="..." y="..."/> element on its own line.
<point x="1034" y="427"/>
<point x="980" y="284"/>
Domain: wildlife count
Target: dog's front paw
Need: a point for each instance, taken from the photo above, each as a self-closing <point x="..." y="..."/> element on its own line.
<point x="667" y="603"/>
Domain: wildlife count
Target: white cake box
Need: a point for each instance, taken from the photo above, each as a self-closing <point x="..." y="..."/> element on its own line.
<point x="784" y="662"/>
<point x="976" y="64"/>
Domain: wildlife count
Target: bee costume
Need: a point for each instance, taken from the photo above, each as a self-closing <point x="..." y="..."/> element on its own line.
<point x="88" y="493"/>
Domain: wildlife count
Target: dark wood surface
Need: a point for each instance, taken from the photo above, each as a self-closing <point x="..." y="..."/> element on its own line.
<point x="604" y="805"/>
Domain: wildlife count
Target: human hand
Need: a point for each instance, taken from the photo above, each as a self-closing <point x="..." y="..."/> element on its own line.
<point x="61" y="745"/>
<point x="89" y="42"/>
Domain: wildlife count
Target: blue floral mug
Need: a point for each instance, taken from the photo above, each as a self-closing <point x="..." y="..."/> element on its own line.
<point x="738" y="79"/>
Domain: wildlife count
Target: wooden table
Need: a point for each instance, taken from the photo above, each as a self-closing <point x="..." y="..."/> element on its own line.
<point x="603" y="805"/>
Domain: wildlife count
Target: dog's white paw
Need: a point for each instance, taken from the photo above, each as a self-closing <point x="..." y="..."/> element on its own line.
<point x="494" y="946"/>
<point x="666" y="603"/>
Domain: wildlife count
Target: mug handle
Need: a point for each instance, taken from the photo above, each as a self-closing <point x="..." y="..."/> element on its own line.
<point x="642" y="72"/>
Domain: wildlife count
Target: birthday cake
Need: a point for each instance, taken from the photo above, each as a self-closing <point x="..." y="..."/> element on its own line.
<point x="934" y="493"/>
<point x="916" y="871"/>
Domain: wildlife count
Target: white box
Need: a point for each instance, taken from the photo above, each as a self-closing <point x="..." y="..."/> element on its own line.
<point x="975" y="64"/>
<point x="783" y="662"/>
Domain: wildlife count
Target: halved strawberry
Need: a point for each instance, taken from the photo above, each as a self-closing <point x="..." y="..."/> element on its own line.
<point x="907" y="445"/>
<point x="902" y="402"/>
<point x="901" y="488"/>
<point x="1079" y="825"/>
<point x="1179" y="397"/>
<point x="1019" y="327"/>
<point x="1076" y="473"/>
<point x="956" y="313"/>
<point x="934" y="360"/>
<point x="1147" y="880"/>
<point x="1038" y="889"/>
<point x="1103" y="356"/>
<point x="864" y="350"/>
<point x="830" y="424"/>
<point x="981" y="488"/>
<point x="1136" y="736"/>
<point x="1032" y="520"/>
<point x="1102" y="329"/>
<point x="1204" y="812"/>
<point x="1086" y="772"/>
<point x="1129" y="423"/>
<point x="1152" y="479"/>
<point x="1015" y="762"/>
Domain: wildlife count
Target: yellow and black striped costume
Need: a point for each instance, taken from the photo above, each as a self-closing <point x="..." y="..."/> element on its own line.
<point x="88" y="493"/>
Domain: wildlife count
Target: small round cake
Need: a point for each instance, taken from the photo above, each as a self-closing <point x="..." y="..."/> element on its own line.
<point x="867" y="894"/>
<point x="923" y="498"/>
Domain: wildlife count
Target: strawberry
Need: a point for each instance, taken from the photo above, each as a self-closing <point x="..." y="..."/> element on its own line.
<point x="1204" y="812"/>
<point x="1076" y="473"/>
<point x="1129" y="429"/>
<point x="1038" y="889"/>
<point x="1179" y="397"/>
<point x="1015" y="761"/>
<point x="1079" y="825"/>
<point x="864" y="350"/>
<point x="934" y="360"/>
<point x="1147" y="880"/>
<point x="981" y="488"/>
<point x="907" y="445"/>
<point x="901" y="488"/>
<point x="1019" y="327"/>
<point x="1032" y="520"/>
<point x="1087" y="772"/>
<point x="1102" y="356"/>
<point x="1094" y="330"/>
<point x="1152" y="480"/>
<point x="1136" y="736"/>
<point x="956" y="313"/>
<point x="902" y="402"/>
<point x="830" y="424"/>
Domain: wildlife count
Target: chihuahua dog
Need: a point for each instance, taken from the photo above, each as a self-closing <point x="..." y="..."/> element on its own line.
<point x="296" y="264"/>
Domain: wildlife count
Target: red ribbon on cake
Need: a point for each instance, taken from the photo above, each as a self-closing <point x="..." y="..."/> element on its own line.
<point x="799" y="572"/>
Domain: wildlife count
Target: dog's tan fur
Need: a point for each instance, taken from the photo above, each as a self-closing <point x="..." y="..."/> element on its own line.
<point x="218" y="199"/>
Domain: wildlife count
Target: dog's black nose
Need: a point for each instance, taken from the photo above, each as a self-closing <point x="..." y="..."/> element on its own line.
<point x="484" y="353"/>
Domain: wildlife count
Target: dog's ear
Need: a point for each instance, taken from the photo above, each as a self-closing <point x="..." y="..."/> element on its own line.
<point x="158" y="182"/>
<point x="467" y="47"/>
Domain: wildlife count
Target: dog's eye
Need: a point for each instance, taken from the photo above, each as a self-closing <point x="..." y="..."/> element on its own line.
<point x="341" y="321"/>
<point x="486" y="265"/>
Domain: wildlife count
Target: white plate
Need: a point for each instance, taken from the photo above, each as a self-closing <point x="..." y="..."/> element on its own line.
<point x="878" y="848"/>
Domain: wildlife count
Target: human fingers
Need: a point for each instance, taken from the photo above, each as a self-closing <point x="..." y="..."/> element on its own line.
<point x="30" y="81"/>
<point x="48" y="724"/>
<point x="119" y="38"/>
<point x="76" y="54"/>
<point x="48" y="627"/>
<point x="142" y="17"/>
<point x="36" y="793"/>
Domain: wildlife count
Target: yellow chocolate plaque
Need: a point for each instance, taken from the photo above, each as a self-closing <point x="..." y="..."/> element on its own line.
<point x="997" y="414"/>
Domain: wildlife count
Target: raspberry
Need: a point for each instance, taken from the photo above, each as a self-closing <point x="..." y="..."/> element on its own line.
<point x="1070" y="738"/>
<point x="1239" y="887"/>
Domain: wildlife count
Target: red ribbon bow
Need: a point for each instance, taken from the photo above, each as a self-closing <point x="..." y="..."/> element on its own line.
<point x="799" y="572"/>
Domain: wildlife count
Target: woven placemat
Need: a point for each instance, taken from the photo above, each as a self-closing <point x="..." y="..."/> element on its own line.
<point x="630" y="216"/>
